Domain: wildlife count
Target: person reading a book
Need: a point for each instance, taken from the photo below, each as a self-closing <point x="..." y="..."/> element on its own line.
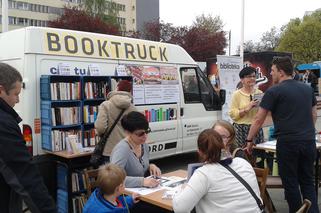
<point x="109" y="194"/>
<point x="132" y="152"/>
<point x="20" y="178"/>
<point x="108" y="112"/>
<point x="243" y="109"/>
<point x="212" y="188"/>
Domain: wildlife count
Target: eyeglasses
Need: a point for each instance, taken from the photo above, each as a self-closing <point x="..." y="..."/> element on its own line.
<point x="224" y="137"/>
<point x="250" y="76"/>
<point x="141" y="133"/>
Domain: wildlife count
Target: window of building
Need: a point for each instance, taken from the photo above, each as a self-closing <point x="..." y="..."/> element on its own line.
<point x="133" y="7"/>
<point x="12" y="20"/>
<point x="133" y="21"/>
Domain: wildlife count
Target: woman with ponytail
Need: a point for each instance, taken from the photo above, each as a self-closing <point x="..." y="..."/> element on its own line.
<point x="212" y="188"/>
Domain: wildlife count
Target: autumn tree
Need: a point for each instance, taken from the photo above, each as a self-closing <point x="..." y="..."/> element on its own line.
<point x="77" y="19"/>
<point x="204" y="39"/>
<point x="302" y="38"/>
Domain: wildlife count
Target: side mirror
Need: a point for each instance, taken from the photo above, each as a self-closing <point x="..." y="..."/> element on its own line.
<point x="222" y="96"/>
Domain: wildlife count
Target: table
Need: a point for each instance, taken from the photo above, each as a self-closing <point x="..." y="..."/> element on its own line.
<point x="155" y="198"/>
<point x="270" y="146"/>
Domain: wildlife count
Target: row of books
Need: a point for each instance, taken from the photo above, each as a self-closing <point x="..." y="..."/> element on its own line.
<point x="60" y="137"/>
<point x="90" y="138"/>
<point x="94" y="90"/>
<point x="65" y="91"/>
<point x="78" y="203"/>
<point x="78" y="182"/>
<point x="65" y="115"/>
<point x="156" y="115"/>
<point x="90" y="113"/>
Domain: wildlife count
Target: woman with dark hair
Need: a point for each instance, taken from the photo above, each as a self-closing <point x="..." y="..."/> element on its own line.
<point x="132" y="152"/>
<point x="244" y="106"/>
<point x="212" y="188"/>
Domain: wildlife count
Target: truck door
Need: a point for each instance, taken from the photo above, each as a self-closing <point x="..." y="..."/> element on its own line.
<point x="200" y="106"/>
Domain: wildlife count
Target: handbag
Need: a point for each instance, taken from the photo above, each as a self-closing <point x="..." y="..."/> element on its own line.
<point x="96" y="158"/>
<point x="247" y="186"/>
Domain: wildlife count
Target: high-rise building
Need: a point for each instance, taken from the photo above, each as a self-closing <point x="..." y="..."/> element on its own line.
<point x="147" y="10"/>
<point x="131" y="15"/>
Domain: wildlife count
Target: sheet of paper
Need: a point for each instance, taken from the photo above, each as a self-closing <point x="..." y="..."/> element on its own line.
<point x="144" y="190"/>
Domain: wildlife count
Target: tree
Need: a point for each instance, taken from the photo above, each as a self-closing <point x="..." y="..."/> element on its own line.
<point x="204" y="39"/>
<point x="302" y="38"/>
<point x="106" y="10"/>
<point x="77" y="19"/>
<point x="211" y="24"/>
<point x="202" y="44"/>
<point x="269" y="40"/>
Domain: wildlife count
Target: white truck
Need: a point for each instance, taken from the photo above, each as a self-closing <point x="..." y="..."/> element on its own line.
<point x="165" y="76"/>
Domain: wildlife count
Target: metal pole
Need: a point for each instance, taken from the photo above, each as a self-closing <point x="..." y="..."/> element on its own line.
<point x="4" y="15"/>
<point x="242" y="30"/>
<point x="229" y="42"/>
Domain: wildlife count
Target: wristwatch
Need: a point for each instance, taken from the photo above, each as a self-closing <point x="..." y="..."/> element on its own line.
<point x="249" y="141"/>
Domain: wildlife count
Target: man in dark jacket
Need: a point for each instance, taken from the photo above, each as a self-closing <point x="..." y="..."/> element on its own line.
<point x="19" y="177"/>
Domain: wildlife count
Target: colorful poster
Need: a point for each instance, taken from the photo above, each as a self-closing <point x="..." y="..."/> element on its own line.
<point x="154" y="84"/>
<point x="229" y="68"/>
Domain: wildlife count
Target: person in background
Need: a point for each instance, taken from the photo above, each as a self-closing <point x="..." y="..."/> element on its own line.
<point x="109" y="194"/>
<point x="227" y="132"/>
<point x="19" y="177"/>
<point x="212" y="188"/>
<point x="132" y="153"/>
<point x="294" y="113"/>
<point x="108" y="112"/>
<point x="243" y="109"/>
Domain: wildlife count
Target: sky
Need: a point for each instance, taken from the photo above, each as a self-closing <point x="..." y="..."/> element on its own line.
<point x="259" y="15"/>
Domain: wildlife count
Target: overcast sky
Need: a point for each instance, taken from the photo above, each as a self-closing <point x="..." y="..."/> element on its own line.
<point x="260" y="15"/>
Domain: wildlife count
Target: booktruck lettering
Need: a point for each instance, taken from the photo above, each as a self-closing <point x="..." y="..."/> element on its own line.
<point x="103" y="48"/>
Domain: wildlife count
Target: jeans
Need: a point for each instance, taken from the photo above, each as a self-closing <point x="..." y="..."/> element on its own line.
<point x="295" y="161"/>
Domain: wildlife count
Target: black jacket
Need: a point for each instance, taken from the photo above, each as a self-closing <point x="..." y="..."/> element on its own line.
<point x="19" y="177"/>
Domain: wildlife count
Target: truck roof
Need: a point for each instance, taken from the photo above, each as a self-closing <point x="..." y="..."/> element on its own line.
<point x="52" y="41"/>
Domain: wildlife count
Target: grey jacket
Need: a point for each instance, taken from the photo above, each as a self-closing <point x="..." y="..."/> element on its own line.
<point x="135" y="168"/>
<point x="107" y="114"/>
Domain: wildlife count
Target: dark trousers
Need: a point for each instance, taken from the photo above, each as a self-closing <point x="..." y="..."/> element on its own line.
<point x="295" y="161"/>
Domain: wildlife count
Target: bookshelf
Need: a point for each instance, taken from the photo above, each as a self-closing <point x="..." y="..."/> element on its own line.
<point x="69" y="105"/>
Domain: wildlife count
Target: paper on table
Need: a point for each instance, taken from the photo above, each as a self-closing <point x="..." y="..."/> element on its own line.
<point x="166" y="183"/>
<point x="273" y="143"/>
<point x="144" y="190"/>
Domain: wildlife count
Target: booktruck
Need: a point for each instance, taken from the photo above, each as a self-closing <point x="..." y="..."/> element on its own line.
<point x="64" y="68"/>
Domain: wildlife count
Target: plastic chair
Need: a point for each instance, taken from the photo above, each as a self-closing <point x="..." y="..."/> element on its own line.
<point x="305" y="206"/>
<point x="90" y="179"/>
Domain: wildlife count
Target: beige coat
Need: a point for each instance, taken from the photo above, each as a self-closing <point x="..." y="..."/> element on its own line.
<point x="108" y="113"/>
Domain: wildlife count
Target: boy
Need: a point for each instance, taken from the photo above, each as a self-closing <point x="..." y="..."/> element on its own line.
<point x="108" y="196"/>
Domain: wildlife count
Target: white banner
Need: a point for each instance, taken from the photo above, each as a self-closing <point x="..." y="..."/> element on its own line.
<point x="229" y="68"/>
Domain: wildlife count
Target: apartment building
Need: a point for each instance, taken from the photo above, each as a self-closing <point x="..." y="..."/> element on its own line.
<point x="24" y="13"/>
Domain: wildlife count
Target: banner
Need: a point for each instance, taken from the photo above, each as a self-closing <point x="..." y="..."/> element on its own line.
<point x="228" y="69"/>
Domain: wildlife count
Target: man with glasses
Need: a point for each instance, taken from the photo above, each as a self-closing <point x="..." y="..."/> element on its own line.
<point x="293" y="108"/>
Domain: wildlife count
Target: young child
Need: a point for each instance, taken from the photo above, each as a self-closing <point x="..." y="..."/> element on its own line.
<point x="108" y="196"/>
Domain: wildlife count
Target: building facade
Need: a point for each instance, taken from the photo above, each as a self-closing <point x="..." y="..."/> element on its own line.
<point x="147" y="10"/>
<point x="24" y="13"/>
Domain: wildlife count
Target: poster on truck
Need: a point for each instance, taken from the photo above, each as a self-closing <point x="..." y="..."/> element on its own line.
<point x="154" y="84"/>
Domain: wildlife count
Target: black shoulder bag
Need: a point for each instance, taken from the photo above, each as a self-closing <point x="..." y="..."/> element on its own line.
<point x="247" y="186"/>
<point x="96" y="158"/>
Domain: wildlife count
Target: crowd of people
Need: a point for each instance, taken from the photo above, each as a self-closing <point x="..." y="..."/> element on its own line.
<point x="222" y="148"/>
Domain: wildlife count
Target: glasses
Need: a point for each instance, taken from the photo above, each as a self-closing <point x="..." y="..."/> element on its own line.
<point x="141" y="133"/>
<point x="224" y="137"/>
<point x="250" y="76"/>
